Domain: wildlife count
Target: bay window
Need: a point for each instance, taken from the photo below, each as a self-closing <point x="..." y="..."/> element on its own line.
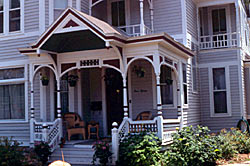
<point x="166" y="81"/>
<point x="12" y="94"/>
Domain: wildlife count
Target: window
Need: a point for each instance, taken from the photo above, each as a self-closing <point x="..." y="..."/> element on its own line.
<point x="219" y="21"/>
<point x="14" y="15"/>
<point x="194" y="73"/>
<point x="219" y="90"/>
<point x="59" y="7"/>
<point x="118" y="13"/>
<point x="1" y="16"/>
<point x="184" y="74"/>
<point x="166" y="85"/>
<point x="12" y="94"/>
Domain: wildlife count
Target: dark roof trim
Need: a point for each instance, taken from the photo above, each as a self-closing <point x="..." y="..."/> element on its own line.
<point x="28" y="51"/>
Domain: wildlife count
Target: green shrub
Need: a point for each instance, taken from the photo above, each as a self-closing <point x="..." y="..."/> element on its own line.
<point x="102" y="152"/>
<point x="193" y="147"/>
<point x="10" y="154"/>
<point x="140" y="150"/>
<point x="43" y="152"/>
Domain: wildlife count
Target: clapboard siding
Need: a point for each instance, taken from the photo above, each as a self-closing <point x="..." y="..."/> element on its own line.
<point x="85" y="6"/>
<point x="233" y="17"/>
<point x="191" y="18"/>
<point x="47" y="13"/>
<point x="74" y="4"/>
<point x="218" y="56"/>
<point x="9" y="48"/>
<point x="193" y="114"/>
<point x="218" y="123"/>
<point x="36" y="85"/>
<point x="31" y="15"/>
<point x="247" y="89"/>
<point x="168" y="16"/>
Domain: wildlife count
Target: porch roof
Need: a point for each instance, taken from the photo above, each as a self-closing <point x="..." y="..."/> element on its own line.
<point x="77" y="31"/>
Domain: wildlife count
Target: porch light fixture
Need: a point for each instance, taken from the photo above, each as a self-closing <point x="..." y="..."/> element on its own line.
<point x="139" y="71"/>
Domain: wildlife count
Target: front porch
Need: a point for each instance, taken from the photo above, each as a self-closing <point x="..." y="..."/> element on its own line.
<point x="117" y="79"/>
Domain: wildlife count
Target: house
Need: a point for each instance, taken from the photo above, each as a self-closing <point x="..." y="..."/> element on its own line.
<point x="184" y="61"/>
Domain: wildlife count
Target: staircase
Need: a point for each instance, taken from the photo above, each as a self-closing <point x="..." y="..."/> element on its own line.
<point x="80" y="155"/>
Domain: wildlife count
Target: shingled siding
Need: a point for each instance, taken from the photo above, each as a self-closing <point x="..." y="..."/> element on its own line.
<point x="168" y="16"/>
<point x="218" y="123"/>
<point x="31" y="15"/>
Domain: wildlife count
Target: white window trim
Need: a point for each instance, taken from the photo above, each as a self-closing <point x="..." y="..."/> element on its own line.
<point x="18" y="81"/>
<point x="228" y="18"/>
<point x="183" y="96"/>
<point x="228" y="92"/>
<point x="6" y="11"/>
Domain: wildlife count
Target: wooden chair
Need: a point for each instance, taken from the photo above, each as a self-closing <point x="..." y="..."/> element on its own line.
<point x="93" y="125"/>
<point x="146" y="115"/>
<point x="74" y="125"/>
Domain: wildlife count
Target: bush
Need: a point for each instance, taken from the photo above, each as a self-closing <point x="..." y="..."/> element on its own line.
<point x="43" y="152"/>
<point x="193" y="146"/>
<point x="102" y="152"/>
<point x="10" y="154"/>
<point x="140" y="150"/>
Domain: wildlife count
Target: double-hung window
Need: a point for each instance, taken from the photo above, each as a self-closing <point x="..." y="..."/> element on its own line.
<point x="166" y="86"/>
<point x="118" y="13"/>
<point x="59" y="7"/>
<point x="185" y="84"/>
<point x="12" y="94"/>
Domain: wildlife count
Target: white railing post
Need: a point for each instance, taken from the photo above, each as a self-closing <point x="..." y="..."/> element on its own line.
<point x="45" y="132"/>
<point x="115" y="143"/>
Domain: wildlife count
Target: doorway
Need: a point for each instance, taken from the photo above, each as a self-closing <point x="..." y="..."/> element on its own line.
<point x="114" y="97"/>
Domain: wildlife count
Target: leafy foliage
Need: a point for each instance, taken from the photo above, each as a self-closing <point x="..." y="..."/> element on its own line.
<point x="10" y="154"/>
<point x="43" y="152"/>
<point x="140" y="150"/>
<point x="193" y="146"/>
<point x="102" y="152"/>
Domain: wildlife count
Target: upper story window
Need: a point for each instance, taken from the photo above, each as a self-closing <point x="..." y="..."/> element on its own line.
<point x="59" y="7"/>
<point x="1" y="16"/>
<point x="219" y="21"/>
<point x="14" y="15"/>
<point x="118" y="13"/>
<point x="10" y="16"/>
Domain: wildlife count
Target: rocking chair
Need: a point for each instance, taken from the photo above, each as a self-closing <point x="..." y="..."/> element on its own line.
<point x="74" y="125"/>
<point x="146" y="115"/>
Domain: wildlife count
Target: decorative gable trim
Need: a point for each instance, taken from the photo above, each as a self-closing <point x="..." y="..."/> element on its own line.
<point x="71" y="23"/>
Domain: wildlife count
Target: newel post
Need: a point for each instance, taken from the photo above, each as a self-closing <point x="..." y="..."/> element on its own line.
<point x="45" y="132"/>
<point x="115" y="142"/>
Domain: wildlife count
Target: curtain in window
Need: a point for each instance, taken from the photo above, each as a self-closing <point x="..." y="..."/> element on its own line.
<point x="12" y="101"/>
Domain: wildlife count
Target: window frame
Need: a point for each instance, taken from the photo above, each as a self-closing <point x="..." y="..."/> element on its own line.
<point x="228" y="92"/>
<point x="174" y="105"/>
<point x="6" y="18"/>
<point x="2" y="11"/>
<point x="185" y="105"/>
<point x="24" y="81"/>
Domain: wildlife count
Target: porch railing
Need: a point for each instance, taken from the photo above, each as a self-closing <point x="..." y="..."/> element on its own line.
<point x="224" y="40"/>
<point x="48" y="132"/>
<point x="135" y="30"/>
<point x="163" y="128"/>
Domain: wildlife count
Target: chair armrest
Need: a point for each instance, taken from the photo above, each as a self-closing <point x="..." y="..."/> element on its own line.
<point x="82" y="123"/>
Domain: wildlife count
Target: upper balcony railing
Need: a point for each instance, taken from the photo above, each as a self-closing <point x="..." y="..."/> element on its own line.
<point x="224" y="40"/>
<point x="135" y="30"/>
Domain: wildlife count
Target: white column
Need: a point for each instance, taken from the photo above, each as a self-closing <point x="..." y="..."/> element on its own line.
<point x="151" y="15"/>
<point x="238" y="25"/>
<point x="142" y="29"/>
<point x="32" y="129"/>
<point x="180" y="93"/>
<point x="59" y="109"/>
<point x="125" y="99"/>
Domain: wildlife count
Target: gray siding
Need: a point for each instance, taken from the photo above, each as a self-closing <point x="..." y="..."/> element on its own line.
<point x="247" y="89"/>
<point x="168" y="16"/>
<point x="74" y="4"/>
<point x="46" y="14"/>
<point x="9" y="48"/>
<point x="31" y="15"/>
<point x="85" y="6"/>
<point x="191" y="18"/>
<point x="216" y="123"/>
<point x="219" y="56"/>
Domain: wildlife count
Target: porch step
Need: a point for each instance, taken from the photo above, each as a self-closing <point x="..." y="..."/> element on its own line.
<point x="82" y="155"/>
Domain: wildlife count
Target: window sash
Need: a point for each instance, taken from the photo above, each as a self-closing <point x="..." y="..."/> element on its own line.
<point x="118" y="13"/>
<point x="219" y="21"/>
<point x="167" y="89"/>
<point x="60" y="4"/>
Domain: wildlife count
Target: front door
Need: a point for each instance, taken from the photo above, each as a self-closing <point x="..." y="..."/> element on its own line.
<point x="114" y="97"/>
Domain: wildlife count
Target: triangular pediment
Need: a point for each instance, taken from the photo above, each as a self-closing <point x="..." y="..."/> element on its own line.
<point x="70" y="24"/>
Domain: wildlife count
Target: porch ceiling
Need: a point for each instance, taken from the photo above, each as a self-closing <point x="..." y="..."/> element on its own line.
<point x="73" y="41"/>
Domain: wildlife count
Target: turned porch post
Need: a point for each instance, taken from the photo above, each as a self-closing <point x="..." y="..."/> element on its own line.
<point x="159" y="107"/>
<point x="142" y="29"/>
<point x="32" y="120"/>
<point x="59" y="109"/>
<point x="125" y="98"/>
<point x="180" y="94"/>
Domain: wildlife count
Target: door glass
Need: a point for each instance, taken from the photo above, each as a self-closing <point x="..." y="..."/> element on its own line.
<point x="118" y="13"/>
